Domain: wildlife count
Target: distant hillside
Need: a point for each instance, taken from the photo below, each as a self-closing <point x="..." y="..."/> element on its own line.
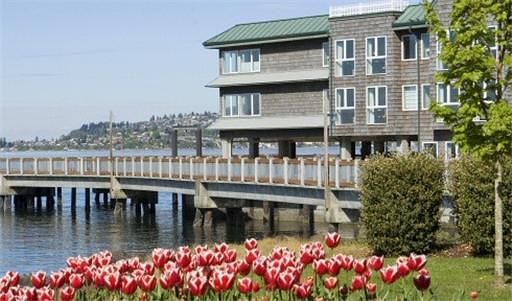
<point x="153" y="133"/>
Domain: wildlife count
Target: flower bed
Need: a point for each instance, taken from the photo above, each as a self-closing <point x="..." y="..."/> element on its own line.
<point x="315" y="272"/>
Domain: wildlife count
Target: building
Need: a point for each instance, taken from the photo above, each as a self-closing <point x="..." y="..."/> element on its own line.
<point x="374" y="62"/>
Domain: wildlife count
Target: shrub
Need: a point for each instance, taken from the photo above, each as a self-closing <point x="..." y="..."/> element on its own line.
<point x="401" y="197"/>
<point x="473" y="190"/>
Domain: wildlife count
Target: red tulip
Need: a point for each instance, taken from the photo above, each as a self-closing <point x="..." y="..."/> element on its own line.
<point x="250" y="244"/>
<point x="270" y="277"/>
<point x="148" y="267"/>
<point x="260" y="266"/>
<point x="358" y="283"/>
<point x="332" y="240"/>
<point x="372" y="288"/>
<point x="320" y="266"/>
<point x="76" y="281"/>
<point x="221" y="248"/>
<point x="344" y="290"/>
<point x="389" y="274"/>
<point x="348" y="262"/>
<point x="229" y="255"/>
<point x="422" y="281"/>
<point x="243" y="267"/>
<point x="183" y="259"/>
<point x="39" y="279"/>
<point x="306" y="254"/>
<point x="330" y="283"/>
<point x="247" y="286"/>
<point x="359" y="266"/>
<point x="171" y="278"/>
<point x="31" y="294"/>
<point x="14" y="278"/>
<point x="376" y="263"/>
<point x="416" y="262"/>
<point x="67" y="294"/>
<point x="198" y="285"/>
<point x="112" y="281"/>
<point x="147" y="283"/>
<point x="252" y="255"/>
<point x="222" y="281"/>
<point x="205" y="258"/>
<point x="128" y="285"/>
<point x="159" y="258"/>
<point x="304" y="291"/>
<point x="57" y="280"/>
<point x="285" y="281"/>
<point x="334" y="265"/>
<point x="403" y="269"/>
<point x="45" y="294"/>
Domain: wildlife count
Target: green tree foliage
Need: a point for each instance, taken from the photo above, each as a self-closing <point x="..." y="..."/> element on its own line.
<point x="474" y="205"/>
<point x="401" y="198"/>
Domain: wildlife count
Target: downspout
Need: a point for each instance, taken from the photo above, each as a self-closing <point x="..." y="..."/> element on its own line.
<point x="418" y="83"/>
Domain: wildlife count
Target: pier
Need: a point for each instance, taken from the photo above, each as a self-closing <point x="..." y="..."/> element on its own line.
<point x="235" y="187"/>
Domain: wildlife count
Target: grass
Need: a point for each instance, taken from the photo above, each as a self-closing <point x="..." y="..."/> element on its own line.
<point x="451" y="276"/>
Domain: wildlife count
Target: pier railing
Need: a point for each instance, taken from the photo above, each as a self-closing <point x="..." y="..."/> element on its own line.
<point x="264" y="170"/>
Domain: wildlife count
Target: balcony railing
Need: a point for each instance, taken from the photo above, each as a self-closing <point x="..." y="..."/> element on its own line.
<point x="262" y="170"/>
<point x="368" y="7"/>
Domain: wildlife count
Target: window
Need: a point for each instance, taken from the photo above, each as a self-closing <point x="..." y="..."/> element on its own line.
<point x="425" y="45"/>
<point x="409" y="48"/>
<point x="241" y="61"/>
<point x="426" y="96"/>
<point x="241" y="105"/>
<point x="376" y="104"/>
<point x="451" y="150"/>
<point x="345" y="105"/>
<point x="326" y="54"/>
<point x="345" y="57"/>
<point x="376" y="55"/>
<point x="410" y="98"/>
<point x="490" y="93"/>
<point x="493" y="43"/>
<point x="448" y="95"/>
<point x="431" y="148"/>
<point x="440" y="64"/>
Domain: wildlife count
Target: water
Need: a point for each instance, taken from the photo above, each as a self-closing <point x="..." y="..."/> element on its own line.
<point x="33" y="240"/>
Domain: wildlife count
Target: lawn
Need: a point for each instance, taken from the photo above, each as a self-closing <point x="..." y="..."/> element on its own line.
<point x="451" y="276"/>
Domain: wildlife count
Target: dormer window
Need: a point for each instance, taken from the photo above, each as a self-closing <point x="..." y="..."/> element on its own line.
<point x="241" y="61"/>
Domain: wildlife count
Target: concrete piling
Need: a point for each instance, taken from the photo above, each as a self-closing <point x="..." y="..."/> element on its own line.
<point x="87" y="200"/>
<point x="59" y="198"/>
<point x="2" y="199"/>
<point x="39" y="202"/>
<point x="105" y="199"/>
<point x="73" y="199"/>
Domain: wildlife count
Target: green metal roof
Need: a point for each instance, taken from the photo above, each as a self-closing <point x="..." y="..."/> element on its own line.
<point x="414" y="15"/>
<point x="271" y="30"/>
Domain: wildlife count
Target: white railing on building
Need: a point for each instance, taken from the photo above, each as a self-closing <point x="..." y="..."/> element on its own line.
<point x="368" y="7"/>
<point x="264" y="170"/>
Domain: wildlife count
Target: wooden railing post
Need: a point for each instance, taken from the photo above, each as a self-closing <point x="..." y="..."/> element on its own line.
<point x="285" y="171"/>
<point x="270" y="170"/>
<point x="302" y="171"/>
<point x="336" y="173"/>
<point x="180" y="171"/>
<point x="205" y="176"/>
<point x="191" y="168"/>
<point x="242" y="170"/>
<point x="141" y="166"/>
<point x="125" y="165"/>
<point x="133" y="166"/>
<point x="98" y="172"/>
<point x="160" y="167"/>
<point x="36" y="166"/>
<point x="229" y="169"/>
<point x="116" y="167"/>
<point x="217" y="169"/>
<point x="319" y="172"/>
<point x="7" y="166"/>
<point x="356" y="173"/>
<point x="170" y="168"/>
<point x="21" y="166"/>
<point x="150" y="167"/>
<point x="256" y="160"/>
<point x="81" y="167"/>
<point x="50" y="167"/>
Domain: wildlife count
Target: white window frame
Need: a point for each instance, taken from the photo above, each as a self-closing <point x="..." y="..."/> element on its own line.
<point x="385" y="56"/>
<point x="446" y="150"/>
<point x="328" y="54"/>
<point x="439" y="49"/>
<point x="423" y="107"/>
<point x="448" y="95"/>
<point x="345" y="107"/>
<point x="403" y="98"/>
<point x="423" y="143"/>
<point x="376" y="106"/>
<point x="238" y="61"/>
<point x="239" y="107"/>
<point x="415" y="47"/>
<point x="344" y="41"/>
<point x="422" y="45"/>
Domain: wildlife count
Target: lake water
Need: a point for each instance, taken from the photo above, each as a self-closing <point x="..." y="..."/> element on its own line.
<point x="33" y="240"/>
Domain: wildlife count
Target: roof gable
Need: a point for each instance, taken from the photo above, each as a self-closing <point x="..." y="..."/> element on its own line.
<point x="414" y="15"/>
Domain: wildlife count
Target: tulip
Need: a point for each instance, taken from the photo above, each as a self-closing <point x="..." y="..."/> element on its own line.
<point x="359" y="266"/>
<point x="171" y="278"/>
<point x="344" y="290"/>
<point x="304" y="291"/>
<point x="243" y="267"/>
<point x="260" y="266"/>
<point x="31" y="294"/>
<point x="57" y="280"/>
<point x="159" y="258"/>
<point x="76" y="281"/>
<point x="246" y="285"/>
<point x="222" y="281"/>
<point x="205" y="258"/>
<point x="38" y="279"/>
<point x="332" y="240"/>
<point x="320" y="266"/>
<point x="348" y="262"/>
<point x="128" y="285"/>
<point x="250" y="244"/>
<point x="334" y="265"/>
<point x="112" y="281"/>
<point x="14" y="278"/>
<point x="389" y="274"/>
<point x="252" y="255"/>
<point x="403" y="269"/>
<point x="148" y="267"/>
<point x="198" y="285"/>
<point x="147" y="283"/>
<point x="285" y="281"/>
<point x="229" y="255"/>
<point x="221" y="248"/>
<point x="270" y="277"/>
<point x="416" y="262"/>
<point x="330" y="283"/>
<point x="474" y="295"/>
<point x="67" y="294"/>
<point x="45" y="294"/>
<point x="183" y="259"/>
<point x="358" y="283"/>
<point x="376" y="263"/>
<point x="371" y="287"/>
<point x="422" y="282"/>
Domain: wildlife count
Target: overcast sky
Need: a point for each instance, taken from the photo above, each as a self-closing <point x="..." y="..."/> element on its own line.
<point x="65" y="63"/>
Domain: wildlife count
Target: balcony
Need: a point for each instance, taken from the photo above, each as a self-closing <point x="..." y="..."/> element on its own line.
<point x="261" y="78"/>
<point x="368" y="7"/>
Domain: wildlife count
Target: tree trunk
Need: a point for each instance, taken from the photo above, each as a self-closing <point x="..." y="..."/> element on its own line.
<point x="498" y="224"/>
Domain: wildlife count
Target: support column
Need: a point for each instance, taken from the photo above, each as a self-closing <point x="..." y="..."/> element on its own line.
<point x="39" y="203"/>
<point x="199" y="142"/>
<point x="203" y="217"/>
<point x="174" y="201"/>
<point x="97" y="198"/>
<point x="7" y="204"/>
<point x="2" y="199"/>
<point x="30" y="202"/>
<point x="87" y="199"/>
<point x="379" y="147"/>
<point x="138" y="207"/>
<point x="50" y="202"/>
<point x="308" y="220"/>
<point x="187" y="207"/>
<point x="119" y="205"/>
<point x="346" y="149"/>
<point x="268" y="215"/>
<point x="105" y="199"/>
<point x="366" y="149"/>
<point x="254" y="148"/>
<point x="287" y="148"/>
<point x="73" y="199"/>
<point x="403" y="146"/>
<point x="227" y="148"/>
<point x="174" y="143"/>
<point x="59" y="198"/>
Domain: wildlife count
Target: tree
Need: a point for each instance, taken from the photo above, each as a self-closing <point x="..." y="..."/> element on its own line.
<point x="479" y="62"/>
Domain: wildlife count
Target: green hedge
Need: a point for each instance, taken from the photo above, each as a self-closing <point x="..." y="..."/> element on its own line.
<point x="401" y="197"/>
<point x="473" y="190"/>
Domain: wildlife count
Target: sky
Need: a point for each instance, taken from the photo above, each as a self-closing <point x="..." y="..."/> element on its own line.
<point x="64" y="63"/>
